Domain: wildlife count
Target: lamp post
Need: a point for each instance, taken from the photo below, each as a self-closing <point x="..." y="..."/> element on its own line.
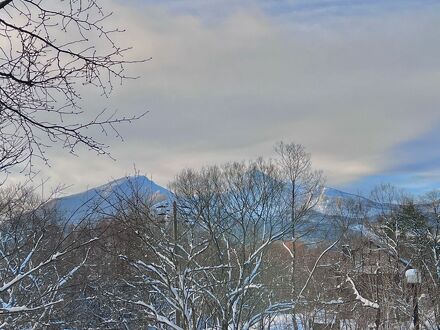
<point x="414" y="279"/>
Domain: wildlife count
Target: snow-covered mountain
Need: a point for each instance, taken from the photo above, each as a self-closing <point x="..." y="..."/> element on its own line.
<point x="331" y="196"/>
<point x="95" y="202"/>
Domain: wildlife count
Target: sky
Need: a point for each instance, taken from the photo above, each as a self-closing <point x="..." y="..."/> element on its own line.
<point x="356" y="82"/>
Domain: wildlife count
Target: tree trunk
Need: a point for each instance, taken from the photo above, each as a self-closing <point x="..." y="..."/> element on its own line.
<point x="293" y="255"/>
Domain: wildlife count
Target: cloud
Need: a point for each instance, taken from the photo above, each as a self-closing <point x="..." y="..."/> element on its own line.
<point x="414" y="165"/>
<point x="349" y="87"/>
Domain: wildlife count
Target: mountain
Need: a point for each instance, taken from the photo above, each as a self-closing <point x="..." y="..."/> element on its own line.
<point x="331" y="197"/>
<point x="96" y="202"/>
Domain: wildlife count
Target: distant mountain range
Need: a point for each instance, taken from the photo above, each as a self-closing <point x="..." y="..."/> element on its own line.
<point x="97" y="201"/>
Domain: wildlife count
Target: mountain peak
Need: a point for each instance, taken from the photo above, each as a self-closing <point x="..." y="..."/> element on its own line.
<point x="94" y="202"/>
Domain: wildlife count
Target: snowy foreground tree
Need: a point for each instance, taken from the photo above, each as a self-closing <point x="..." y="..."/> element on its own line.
<point x="38" y="262"/>
<point x="432" y="234"/>
<point x="51" y="52"/>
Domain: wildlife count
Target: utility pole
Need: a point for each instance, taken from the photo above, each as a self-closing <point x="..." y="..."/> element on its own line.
<point x="175" y="225"/>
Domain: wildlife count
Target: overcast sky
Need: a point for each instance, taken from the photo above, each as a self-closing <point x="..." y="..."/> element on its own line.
<point x="356" y="82"/>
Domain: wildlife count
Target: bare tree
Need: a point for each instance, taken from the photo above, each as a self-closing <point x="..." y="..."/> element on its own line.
<point x="48" y="51"/>
<point x="38" y="261"/>
<point x="239" y="208"/>
<point x="304" y="188"/>
<point x="431" y="245"/>
<point x="389" y="200"/>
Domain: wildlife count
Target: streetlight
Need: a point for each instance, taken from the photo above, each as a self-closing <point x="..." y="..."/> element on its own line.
<point x="414" y="279"/>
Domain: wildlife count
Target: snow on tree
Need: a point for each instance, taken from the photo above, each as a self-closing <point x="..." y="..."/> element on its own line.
<point x="38" y="261"/>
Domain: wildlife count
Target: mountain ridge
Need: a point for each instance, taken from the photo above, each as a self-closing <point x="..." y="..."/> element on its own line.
<point x="103" y="197"/>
